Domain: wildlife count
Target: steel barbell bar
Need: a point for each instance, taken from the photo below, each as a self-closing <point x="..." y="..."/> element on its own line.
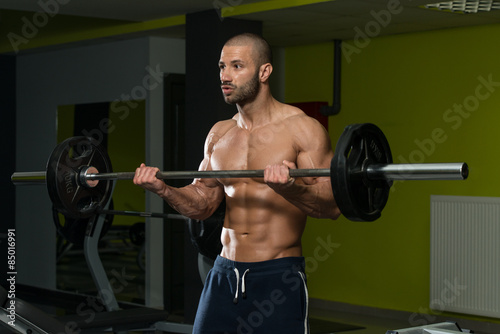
<point x="424" y="171"/>
<point x="361" y="174"/>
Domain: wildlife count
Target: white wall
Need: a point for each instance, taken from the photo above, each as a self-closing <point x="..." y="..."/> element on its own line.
<point x="85" y="74"/>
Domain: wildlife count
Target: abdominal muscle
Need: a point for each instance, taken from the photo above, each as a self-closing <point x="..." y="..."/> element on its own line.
<point x="259" y="224"/>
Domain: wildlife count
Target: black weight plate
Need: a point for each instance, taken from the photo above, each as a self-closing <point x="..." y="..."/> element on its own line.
<point x="69" y="196"/>
<point x="205" y="234"/>
<point x="74" y="230"/>
<point x="357" y="197"/>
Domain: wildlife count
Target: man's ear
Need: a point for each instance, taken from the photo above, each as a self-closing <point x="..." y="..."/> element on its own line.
<point x="265" y="72"/>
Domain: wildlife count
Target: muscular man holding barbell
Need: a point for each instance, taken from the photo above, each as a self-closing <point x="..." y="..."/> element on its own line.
<point x="258" y="281"/>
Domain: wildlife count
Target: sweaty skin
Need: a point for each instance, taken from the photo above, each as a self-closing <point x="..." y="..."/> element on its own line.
<point x="265" y="217"/>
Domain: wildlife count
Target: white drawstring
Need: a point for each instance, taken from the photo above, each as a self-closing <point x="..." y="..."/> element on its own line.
<point x="243" y="291"/>
<point x="235" y="300"/>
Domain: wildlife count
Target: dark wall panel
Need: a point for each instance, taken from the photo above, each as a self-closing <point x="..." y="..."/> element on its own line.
<point x="206" y="33"/>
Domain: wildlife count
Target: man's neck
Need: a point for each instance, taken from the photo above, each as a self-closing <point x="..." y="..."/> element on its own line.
<point x="257" y="112"/>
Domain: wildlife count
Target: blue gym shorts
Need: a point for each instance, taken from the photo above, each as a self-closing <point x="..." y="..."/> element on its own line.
<point x="254" y="297"/>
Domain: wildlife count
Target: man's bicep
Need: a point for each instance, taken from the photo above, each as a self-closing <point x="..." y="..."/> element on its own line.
<point x="209" y="188"/>
<point x="315" y="147"/>
<point x="315" y="151"/>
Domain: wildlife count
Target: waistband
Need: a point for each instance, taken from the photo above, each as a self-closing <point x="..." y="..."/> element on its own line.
<point x="263" y="267"/>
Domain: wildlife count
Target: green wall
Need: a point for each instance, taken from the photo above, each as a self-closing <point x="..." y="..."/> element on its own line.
<point x="411" y="86"/>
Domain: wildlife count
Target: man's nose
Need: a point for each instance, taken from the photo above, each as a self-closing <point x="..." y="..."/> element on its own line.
<point x="225" y="77"/>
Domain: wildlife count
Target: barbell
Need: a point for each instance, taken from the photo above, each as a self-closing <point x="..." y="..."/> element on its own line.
<point x="79" y="174"/>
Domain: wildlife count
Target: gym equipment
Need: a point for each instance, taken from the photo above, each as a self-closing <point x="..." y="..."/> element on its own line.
<point x="79" y="177"/>
<point x="205" y="234"/>
<point x="137" y="233"/>
<point x="438" y="328"/>
<point x="73" y="229"/>
<point x="73" y="158"/>
<point x="359" y="196"/>
<point x="29" y="319"/>
<point x="17" y="314"/>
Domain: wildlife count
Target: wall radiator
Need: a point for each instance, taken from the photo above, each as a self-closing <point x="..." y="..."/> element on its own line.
<point x="465" y="255"/>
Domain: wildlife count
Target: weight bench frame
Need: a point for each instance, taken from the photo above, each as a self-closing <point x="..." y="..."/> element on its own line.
<point x="104" y="321"/>
<point x="91" y="251"/>
<point x="22" y="324"/>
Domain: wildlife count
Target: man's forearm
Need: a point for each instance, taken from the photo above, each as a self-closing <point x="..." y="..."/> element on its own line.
<point x="188" y="201"/>
<point x="314" y="200"/>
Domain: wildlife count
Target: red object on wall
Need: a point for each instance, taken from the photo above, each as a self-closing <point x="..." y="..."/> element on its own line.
<point x="312" y="110"/>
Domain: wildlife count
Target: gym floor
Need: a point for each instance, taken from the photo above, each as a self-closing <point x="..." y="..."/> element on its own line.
<point x="123" y="259"/>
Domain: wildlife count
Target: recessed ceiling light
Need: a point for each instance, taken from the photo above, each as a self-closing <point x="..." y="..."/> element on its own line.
<point x="465" y="6"/>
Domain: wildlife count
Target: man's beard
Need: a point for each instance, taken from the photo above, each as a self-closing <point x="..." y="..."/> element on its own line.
<point x="245" y="93"/>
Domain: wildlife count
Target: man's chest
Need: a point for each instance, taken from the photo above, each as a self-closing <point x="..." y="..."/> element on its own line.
<point x="241" y="149"/>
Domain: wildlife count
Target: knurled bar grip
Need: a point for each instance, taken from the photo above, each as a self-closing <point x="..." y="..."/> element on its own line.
<point x="428" y="171"/>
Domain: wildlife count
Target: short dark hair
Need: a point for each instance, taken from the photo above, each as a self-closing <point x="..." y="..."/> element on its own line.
<point x="262" y="48"/>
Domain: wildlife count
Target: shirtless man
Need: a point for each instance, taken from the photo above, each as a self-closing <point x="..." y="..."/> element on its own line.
<point x="258" y="282"/>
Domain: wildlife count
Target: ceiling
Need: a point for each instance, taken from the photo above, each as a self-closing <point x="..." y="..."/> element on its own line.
<point x="290" y="25"/>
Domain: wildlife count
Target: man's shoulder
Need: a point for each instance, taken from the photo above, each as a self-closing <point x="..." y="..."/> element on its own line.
<point x="220" y="129"/>
<point x="217" y="132"/>
<point x="295" y="116"/>
<point x="223" y="126"/>
<point x="307" y="131"/>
